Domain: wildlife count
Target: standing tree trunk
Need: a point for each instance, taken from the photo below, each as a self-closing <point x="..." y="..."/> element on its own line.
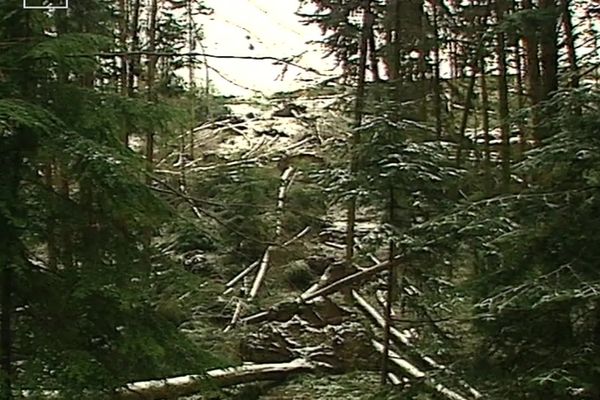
<point x="570" y="43"/>
<point x="437" y="96"/>
<point x="503" y="99"/>
<point x="191" y="77"/>
<point x="373" y="55"/>
<point x="533" y="73"/>
<point x="358" y="115"/>
<point x="392" y="32"/>
<point x="123" y="20"/>
<point x="123" y="34"/>
<point x="519" y="89"/>
<point x="465" y="116"/>
<point x="485" y="125"/>
<point x="453" y="92"/>
<point x="549" y="50"/>
<point x="422" y="62"/>
<point x="150" y="82"/>
<point x="390" y="297"/>
<point x="519" y="73"/>
<point x="469" y="96"/>
<point x="392" y="39"/>
<point x="135" y="44"/>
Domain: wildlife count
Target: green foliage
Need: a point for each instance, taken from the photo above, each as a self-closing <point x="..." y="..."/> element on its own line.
<point x="66" y="50"/>
<point x="244" y="206"/>
<point x="360" y="385"/>
<point x="305" y="203"/>
<point x="538" y="281"/>
<point x="411" y="178"/>
<point x="299" y="275"/>
<point x="92" y="310"/>
<point x="187" y="235"/>
<point x="529" y="22"/>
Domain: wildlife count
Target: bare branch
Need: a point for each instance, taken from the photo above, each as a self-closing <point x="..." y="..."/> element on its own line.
<point x="125" y="54"/>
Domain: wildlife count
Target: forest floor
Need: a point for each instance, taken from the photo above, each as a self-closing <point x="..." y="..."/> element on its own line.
<point x="285" y="138"/>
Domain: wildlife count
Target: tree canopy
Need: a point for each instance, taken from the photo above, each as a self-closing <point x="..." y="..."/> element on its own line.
<point x="425" y="222"/>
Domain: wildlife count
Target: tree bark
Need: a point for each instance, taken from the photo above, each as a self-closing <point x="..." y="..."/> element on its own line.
<point x="135" y="43"/>
<point x="191" y="75"/>
<point x="570" y="43"/>
<point x="191" y="384"/>
<point x="392" y="34"/>
<point x="351" y="279"/>
<point x="123" y="32"/>
<point x="187" y="385"/>
<point x="503" y="100"/>
<point x="358" y="115"/>
<point x="485" y="126"/>
<point x="403" y="342"/>
<point x="437" y="96"/>
<point x="549" y="50"/>
<point x="152" y="60"/>
<point x="465" y="117"/>
<point x="391" y="291"/>
<point x="470" y="93"/>
<point x="373" y="55"/>
<point x="533" y="73"/>
<point x="391" y="295"/>
<point x="519" y="89"/>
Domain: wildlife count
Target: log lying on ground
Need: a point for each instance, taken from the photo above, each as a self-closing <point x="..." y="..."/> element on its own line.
<point x="236" y="316"/>
<point x="241" y="275"/>
<point x="332" y="273"/>
<point x="406" y="367"/>
<point x="314" y="292"/>
<point x="298" y="236"/>
<point x="172" y="388"/>
<point x="350" y="279"/>
<point x="403" y="341"/>
<point x="319" y="311"/>
<point x="262" y="270"/>
<point x="259" y="317"/>
<point x="399" y="337"/>
<point x="394" y="379"/>
<point x="409" y="369"/>
<point x="232" y="282"/>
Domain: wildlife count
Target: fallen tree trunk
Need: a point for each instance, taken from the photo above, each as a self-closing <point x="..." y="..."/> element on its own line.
<point x="406" y="367"/>
<point x="399" y="338"/>
<point x="241" y="275"/>
<point x="416" y="373"/>
<point x="235" y="317"/>
<point x="350" y="279"/>
<point x="258" y="317"/>
<point x="231" y="284"/>
<point x="172" y="388"/>
<point x="315" y="292"/>
<point x="403" y="340"/>
<point x="298" y="236"/>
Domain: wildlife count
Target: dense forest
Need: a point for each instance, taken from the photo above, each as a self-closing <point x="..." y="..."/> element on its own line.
<point x="422" y="225"/>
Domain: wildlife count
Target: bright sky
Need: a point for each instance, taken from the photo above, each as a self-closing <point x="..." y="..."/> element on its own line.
<point x="259" y="28"/>
<point x="269" y="28"/>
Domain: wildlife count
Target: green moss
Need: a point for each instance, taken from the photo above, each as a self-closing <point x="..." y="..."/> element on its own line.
<point x="298" y="275"/>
